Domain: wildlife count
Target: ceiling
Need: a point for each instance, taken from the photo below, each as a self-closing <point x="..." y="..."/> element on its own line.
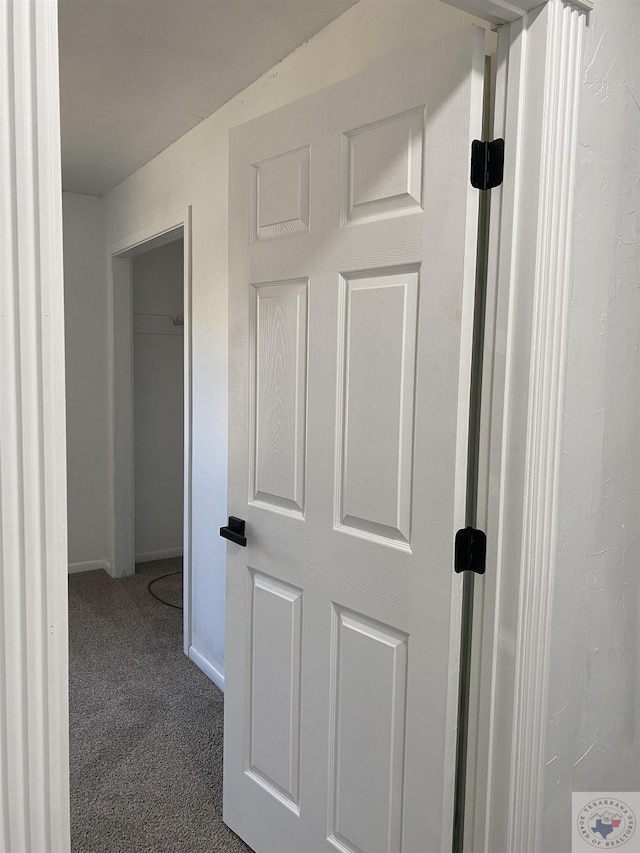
<point x="135" y="75"/>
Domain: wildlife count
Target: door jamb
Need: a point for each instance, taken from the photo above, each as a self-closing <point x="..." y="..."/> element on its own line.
<point x="120" y="337"/>
<point x="537" y="92"/>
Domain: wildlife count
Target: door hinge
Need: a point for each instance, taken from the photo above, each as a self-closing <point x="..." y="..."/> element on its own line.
<point x="487" y="164"/>
<point x="471" y="550"/>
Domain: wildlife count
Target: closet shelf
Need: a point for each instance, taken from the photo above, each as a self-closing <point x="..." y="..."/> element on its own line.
<point x="158" y="324"/>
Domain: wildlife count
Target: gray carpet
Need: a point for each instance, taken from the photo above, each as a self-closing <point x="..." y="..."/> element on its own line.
<point x="145" y="723"/>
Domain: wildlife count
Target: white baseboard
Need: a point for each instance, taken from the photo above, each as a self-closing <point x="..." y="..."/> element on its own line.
<point x="209" y="670"/>
<point x="89" y="566"/>
<point x="167" y="554"/>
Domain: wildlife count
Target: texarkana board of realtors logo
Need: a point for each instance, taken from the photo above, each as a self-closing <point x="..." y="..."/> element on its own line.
<point x="605" y="821"/>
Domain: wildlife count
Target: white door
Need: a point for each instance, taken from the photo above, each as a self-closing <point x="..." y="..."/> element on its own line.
<point x="352" y="261"/>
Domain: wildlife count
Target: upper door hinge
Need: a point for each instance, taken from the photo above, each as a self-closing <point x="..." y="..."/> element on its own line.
<point x="470" y="551"/>
<point x="487" y="164"/>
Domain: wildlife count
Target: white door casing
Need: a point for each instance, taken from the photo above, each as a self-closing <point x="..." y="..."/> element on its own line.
<point x="119" y="275"/>
<point x="34" y="738"/>
<point x="352" y="268"/>
<point x="529" y="284"/>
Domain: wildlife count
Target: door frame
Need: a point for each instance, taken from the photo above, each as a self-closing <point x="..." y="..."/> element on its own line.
<point x="539" y="59"/>
<point x="120" y="338"/>
<point x="539" y="62"/>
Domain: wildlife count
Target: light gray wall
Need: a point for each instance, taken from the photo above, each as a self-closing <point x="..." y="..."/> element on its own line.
<point x="158" y="395"/>
<point x="593" y="734"/>
<point x="88" y="425"/>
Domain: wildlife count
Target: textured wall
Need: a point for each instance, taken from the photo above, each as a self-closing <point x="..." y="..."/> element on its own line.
<point x="593" y="739"/>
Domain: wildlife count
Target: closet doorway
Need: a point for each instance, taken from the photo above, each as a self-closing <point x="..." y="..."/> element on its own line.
<point x="158" y="395"/>
<point x="150" y="275"/>
<point x="158" y="419"/>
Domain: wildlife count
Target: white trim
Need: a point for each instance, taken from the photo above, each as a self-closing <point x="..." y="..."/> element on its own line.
<point x="544" y="439"/>
<point x="468" y="308"/>
<point x="500" y="373"/>
<point x="90" y="566"/>
<point x="120" y="403"/>
<point x="158" y="233"/>
<point x="494" y="11"/>
<point x="209" y="670"/>
<point x="187" y="513"/>
<point x="523" y="387"/>
<point x="119" y="256"/>
<point x="34" y="737"/>
<point x="508" y="11"/>
<point x="166" y="554"/>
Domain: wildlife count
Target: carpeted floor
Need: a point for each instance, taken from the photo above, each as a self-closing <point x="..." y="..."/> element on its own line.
<point x="145" y="723"/>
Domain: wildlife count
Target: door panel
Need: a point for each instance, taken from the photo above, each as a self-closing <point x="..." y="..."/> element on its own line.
<point x="376" y="393"/>
<point x="383" y="167"/>
<point x="274" y="700"/>
<point x="280" y="195"/>
<point x="369" y="704"/>
<point x="279" y="389"/>
<point x="352" y="262"/>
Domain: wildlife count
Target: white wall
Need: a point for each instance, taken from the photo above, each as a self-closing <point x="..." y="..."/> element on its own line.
<point x="593" y="736"/>
<point x="194" y="171"/>
<point x="88" y="427"/>
<point x="158" y="392"/>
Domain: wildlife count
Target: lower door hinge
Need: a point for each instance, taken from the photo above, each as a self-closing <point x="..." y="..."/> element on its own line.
<point x="487" y="164"/>
<point x="471" y="551"/>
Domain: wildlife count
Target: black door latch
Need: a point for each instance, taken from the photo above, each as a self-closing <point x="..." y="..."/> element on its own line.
<point x="234" y="531"/>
